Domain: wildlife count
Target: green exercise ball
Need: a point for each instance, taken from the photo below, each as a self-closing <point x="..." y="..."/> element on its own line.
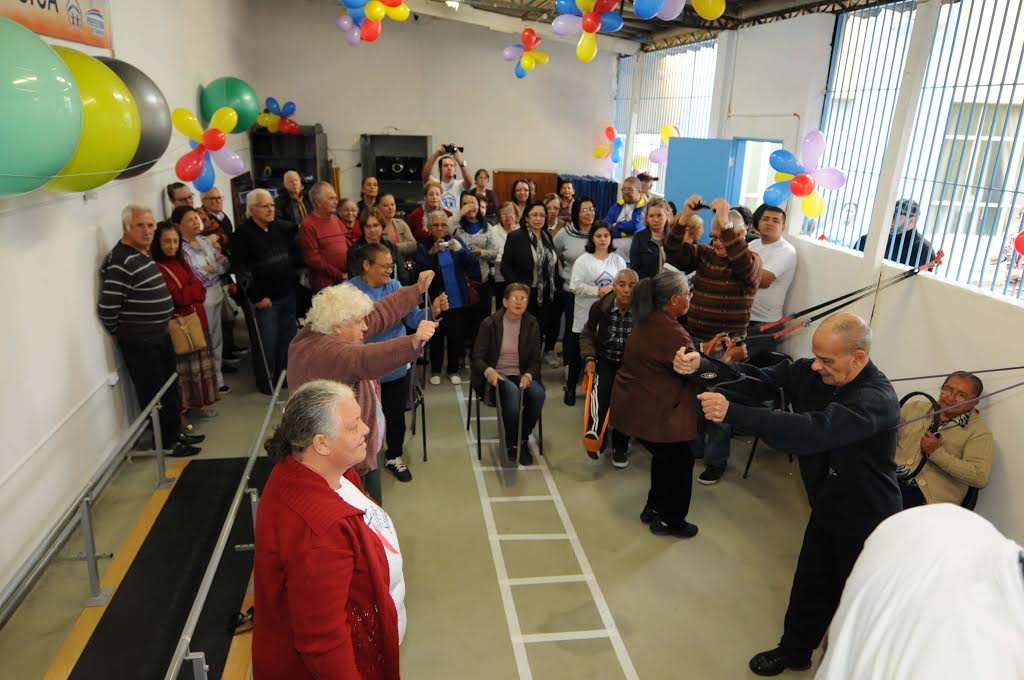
<point x="234" y="93"/>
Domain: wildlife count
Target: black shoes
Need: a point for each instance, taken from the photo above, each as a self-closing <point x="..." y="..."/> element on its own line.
<point x="711" y="475"/>
<point x="648" y="515"/>
<point x="396" y="467"/>
<point x="775" y="661"/>
<point x="525" y="455"/>
<point x="184" y="451"/>
<point x="189" y="439"/>
<point x="513" y="453"/>
<point x="619" y="459"/>
<point x="659" y="528"/>
<point x="569" y="397"/>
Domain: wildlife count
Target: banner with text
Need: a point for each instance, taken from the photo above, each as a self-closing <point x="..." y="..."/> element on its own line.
<point x="80" y="21"/>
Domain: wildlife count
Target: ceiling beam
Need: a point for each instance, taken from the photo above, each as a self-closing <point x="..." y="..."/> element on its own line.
<point x="512" y="25"/>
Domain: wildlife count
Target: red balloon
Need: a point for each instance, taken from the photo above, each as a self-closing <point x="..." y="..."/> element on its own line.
<point x="529" y="38"/>
<point x="822" y="237"/>
<point x="602" y="6"/>
<point x="287" y="126"/>
<point x="214" y="139"/>
<point x="392" y="3"/>
<point x="1018" y="244"/>
<point x="591" y="22"/>
<point x="190" y="166"/>
<point x="609" y="133"/>
<point x="369" y="32"/>
<point x="801" y="185"/>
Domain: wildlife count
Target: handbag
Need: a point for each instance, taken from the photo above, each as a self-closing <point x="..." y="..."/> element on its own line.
<point x="473" y="286"/>
<point x="186" y="331"/>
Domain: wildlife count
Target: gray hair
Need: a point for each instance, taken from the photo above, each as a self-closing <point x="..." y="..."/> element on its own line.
<point x="317" y="192"/>
<point x="652" y="294"/>
<point x="631" y="180"/>
<point x="430" y="216"/>
<point x="337" y="305"/>
<point x="311" y="410"/>
<point x="291" y="172"/>
<point x="130" y="211"/>
<point x="253" y="196"/>
<point x="627" y="272"/>
<point x="736" y="219"/>
<point x="851" y="329"/>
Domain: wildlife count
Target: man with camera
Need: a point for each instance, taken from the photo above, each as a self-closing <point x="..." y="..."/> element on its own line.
<point x="452" y="185"/>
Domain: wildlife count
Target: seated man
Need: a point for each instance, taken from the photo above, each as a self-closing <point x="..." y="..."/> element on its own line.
<point x="905" y="245"/>
<point x="956" y="457"/>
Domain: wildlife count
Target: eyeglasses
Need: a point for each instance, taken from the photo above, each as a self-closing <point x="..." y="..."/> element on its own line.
<point x="518" y="299"/>
<point x="386" y="267"/>
<point x="587" y="210"/>
<point x="214" y="198"/>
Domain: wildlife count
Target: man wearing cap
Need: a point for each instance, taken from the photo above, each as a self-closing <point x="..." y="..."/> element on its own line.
<point x="905" y="244"/>
<point x="647" y="181"/>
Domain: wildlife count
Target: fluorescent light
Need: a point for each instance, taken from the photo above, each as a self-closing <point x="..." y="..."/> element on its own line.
<point x="454" y="4"/>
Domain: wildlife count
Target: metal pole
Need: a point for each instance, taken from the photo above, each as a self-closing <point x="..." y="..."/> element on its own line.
<point x="254" y="503"/>
<point x="197" y="660"/>
<point x="100" y="596"/>
<point x="162" y="481"/>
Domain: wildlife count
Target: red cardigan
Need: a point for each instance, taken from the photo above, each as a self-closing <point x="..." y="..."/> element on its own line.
<point x="187" y="291"/>
<point x="325" y="244"/>
<point x="323" y="608"/>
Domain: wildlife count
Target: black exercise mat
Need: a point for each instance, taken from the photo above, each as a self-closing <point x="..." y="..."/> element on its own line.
<point x="137" y="634"/>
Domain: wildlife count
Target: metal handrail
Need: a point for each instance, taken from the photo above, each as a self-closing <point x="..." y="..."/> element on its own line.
<point x="182" y="649"/>
<point x="28" y="574"/>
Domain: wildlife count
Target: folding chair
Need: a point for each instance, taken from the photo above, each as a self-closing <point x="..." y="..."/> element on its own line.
<point x="477" y="397"/>
<point x="779" y="402"/>
<point x="416" y="403"/>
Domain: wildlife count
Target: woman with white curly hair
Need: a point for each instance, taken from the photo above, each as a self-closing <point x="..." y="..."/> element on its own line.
<point x="331" y="347"/>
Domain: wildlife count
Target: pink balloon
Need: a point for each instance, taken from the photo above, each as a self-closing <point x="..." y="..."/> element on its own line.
<point x="659" y="155"/>
<point x="811" y="149"/>
<point x="671" y="9"/>
<point x="352" y="36"/>
<point x="345" y="22"/>
<point x="567" y="24"/>
<point x="829" y="178"/>
<point x="511" y="53"/>
<point x="228" y="161"/>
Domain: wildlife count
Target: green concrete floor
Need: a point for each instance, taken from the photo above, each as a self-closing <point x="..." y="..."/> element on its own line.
<point x="682" y="609"/>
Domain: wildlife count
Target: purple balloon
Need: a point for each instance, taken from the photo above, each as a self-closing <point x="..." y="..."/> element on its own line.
<point x="829" y="178"/>
<point x="811" y="149"/>
<point x="352" y="36"/>
<point x="609" y="164"/>
<point x="671" y="9"/>
<point x="344" y="22"/>
<point x="567" y="24"/>
<point x="228" y="161"/>
<point x="659" y="155"/>
<point x="511" y="53"/>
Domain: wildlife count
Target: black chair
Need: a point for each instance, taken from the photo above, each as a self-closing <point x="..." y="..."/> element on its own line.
<point x="778" y="403"/>
<point x="417" y="403"/>
<point x="490" y="400"/>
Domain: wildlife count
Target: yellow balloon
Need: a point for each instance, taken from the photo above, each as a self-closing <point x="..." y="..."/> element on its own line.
<point x="527" y="61"/>
<point x="400" y="13"/>
<point x="666" y="133"/>
<point x="540" y="56"/>
<point x="783" y="176"/>
<point x="375" y="10"/>
<point x="600" y="151"/>
<point x="585" y="5"/>
<point x="639" y="162"/>
<point x="812" y="204"/>
<point x="224" y="119"/>
<point x="586" y="48"/>
<point x="187" y="124"/>
<point x="111" y="127"/>
<point x="269" y="121"/>
<point x="709" y="9"/>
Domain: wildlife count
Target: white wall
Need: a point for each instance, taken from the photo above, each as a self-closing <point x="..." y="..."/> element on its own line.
<point x="58" y="416"/>
<point x="433" y="77"/>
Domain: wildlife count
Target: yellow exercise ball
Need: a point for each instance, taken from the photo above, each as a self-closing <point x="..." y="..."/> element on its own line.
<point x="111" y="127"/>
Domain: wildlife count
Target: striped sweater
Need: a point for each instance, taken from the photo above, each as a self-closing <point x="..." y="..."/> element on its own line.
<point x="723" y="288"/>
<point x="134" y="300"/>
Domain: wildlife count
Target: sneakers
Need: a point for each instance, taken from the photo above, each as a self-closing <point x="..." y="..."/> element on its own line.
<point x="711" y="475"/>
<point x="435" y="380"/>
<point x="687" y="530"/>
<point x="552" y="360"/>
<point x="525" y="455"/>
<point x="224" y="389"/>
<point x="619" y="459"/>
<point x="396" y="467"/>
<point x="648" y="514"/>
<point x="775" y="661"/>
<point x="454" y="377"/>
<point x="183" y="451"/>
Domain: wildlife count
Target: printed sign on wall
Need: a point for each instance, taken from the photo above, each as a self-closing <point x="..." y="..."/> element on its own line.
<point x="80" y="21"/>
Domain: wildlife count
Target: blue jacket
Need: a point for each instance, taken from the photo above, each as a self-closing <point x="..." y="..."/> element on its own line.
<point x="466" y="266"/>
<point x="412" y="320"/>
<point x="635" y="222"/>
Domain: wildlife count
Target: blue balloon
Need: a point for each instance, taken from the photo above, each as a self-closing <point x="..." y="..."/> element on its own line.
<point x="519" y="45"/>
<point x="357" y="14"/>
<point x="520" y="71"/>
<point x="647" y="9"/>
<point x="618" y="143"/>
<point x="565" y="6"/>
<point x="205" y="180"/>
<point x="611" y="22"/>
<point x="273" y="107"/>
<point x="778" y="193"/>
<point x="353" y="4"/>
<point x="192" y="144"/>
<point x="784" y="161"/>
<point x="616" y="155"/>
<point x="288" y="109"/>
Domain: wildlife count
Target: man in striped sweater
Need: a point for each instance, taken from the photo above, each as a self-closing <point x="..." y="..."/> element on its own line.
<point x="727" y="277"/>
<point x="135" y="307"/>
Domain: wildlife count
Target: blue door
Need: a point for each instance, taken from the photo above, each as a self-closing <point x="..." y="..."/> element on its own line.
<point x="709" y="167"/>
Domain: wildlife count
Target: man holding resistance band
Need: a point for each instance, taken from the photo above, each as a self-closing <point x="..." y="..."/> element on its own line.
<point x="843" y="426"/>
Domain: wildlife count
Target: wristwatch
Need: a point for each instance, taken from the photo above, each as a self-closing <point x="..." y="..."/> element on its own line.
<point x="462" y="164"/>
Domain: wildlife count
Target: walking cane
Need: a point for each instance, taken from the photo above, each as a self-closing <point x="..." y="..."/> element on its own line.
<point x="522" y="401"/>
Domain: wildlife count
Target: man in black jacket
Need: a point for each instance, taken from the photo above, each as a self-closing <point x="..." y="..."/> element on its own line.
<point x="905" y="244"/>
<point x="843" y="426"/>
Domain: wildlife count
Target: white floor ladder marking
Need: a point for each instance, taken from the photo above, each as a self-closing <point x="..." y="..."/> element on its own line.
<point x="505" y="584"/>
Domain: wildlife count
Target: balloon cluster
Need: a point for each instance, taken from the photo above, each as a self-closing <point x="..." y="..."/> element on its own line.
<point x="73" y="122"/>
<point x="611" y="152"/>
<point x="526" y="52"/>
<point x="360" y="20"/>
<point x="660" y="155"/>
<point x="585" y="18"/>
<point x="796" y="179"/>
<point x="276" y="118"/>
<point x="196" y="166"/>
<point x="667" y="10"/>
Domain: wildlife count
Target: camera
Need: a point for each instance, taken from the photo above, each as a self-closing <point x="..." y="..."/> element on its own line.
<point x="451" y="148"/>
<point x="444" y="245"/>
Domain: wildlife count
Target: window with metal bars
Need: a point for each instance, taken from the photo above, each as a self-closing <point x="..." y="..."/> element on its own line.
<point x="676" y="87"/>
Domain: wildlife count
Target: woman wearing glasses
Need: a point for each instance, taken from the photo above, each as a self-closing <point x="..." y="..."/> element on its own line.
<point x="373" y="232"/>
<point x="571" y="242"/>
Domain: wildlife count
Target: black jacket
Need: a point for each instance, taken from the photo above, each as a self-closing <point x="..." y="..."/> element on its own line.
<point x="266" y="261"/>
<point x="517" y="258"/>
<point x="644" y="255"/>
<point x="845" y="438"/>
<point x="909" y="248"/>
<point x="284" y="206"/>
<point x="487" y="348"/>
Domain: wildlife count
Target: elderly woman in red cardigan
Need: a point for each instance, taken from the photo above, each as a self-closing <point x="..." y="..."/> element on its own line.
<point x="328" y="567"/>
<point x="331" y="347"/>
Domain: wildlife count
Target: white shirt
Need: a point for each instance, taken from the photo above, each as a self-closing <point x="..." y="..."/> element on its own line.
<point x="780" y="259"/>
<point x="588" y="275"/>
<point x="451" y="192"/>
<point x="380" y="523"/>
<point x="937" y="593"/>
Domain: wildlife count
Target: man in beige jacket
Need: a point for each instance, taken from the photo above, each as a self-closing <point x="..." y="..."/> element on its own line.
<point x="954" y="458"/>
